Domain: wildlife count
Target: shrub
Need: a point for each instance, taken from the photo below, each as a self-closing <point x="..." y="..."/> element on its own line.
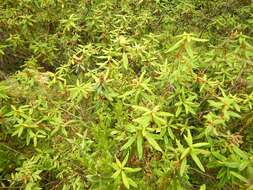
<point x="126" y="94"/>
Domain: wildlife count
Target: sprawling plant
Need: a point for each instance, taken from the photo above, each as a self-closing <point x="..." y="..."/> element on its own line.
<point x="138" y="94"/>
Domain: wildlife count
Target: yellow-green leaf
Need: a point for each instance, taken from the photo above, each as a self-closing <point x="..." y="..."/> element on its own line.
<point x="116" y="174"/>
<point x="125" y="180"/>
<point x="128" y="143"/>
<point x="185" y="153"/>
<point x="139" y="146"/>
<point x="202" y="187"/>
<point x="183" y="167"/>
<point x="125" y="60"/>
<point x="239" y="176"/>
<point x="197" y="161"/>
<point x="152" y="142"/>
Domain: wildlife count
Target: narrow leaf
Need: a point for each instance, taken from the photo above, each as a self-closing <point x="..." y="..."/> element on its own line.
<point x="188" y="139"/>
<point x="125" y="160"/>
<point x="125" y="180"/>
<point x="165" y="114"/>
<point x="197" y="145"/>
<point x="131" y="182"/>
<point x="152" y="142"/>
<point x="185" y="153"/>
<point x="159" y="121"/>
<point x="183" y="167"/>
<point x="177" y="45"/>
<point x="131" y="170"/>
<point x="197" y="161"/>
<point x="125" y="60"/>
<point x="199" y="39"/>
<point x="141" y="108"/>
<point x="128" y="143"/>
<point x="239" y="176"/>
<point x="139" y="146"/>
<point x="118" y="163"/>
<point x="116" y="174"/>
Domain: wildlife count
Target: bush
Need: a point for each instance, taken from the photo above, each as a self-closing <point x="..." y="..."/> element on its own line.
<point x="126" y="94"/>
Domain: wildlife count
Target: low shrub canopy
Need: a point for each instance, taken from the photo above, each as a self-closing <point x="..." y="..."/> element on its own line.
<point x="138" y="94"/>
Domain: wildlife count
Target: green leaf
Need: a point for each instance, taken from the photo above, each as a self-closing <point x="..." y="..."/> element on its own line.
<point x="159" y="121"/>
<point x="177" y="45"/>
<point x="125" y="180"/>
<point x="202" y="187"/>
<point x="128" y="143"/>
<point x="170" y="132"/>
<point x="131" y="182"/>
<point x="183" y="167"/>
<point x="231" y="164"/>
<point x="197" y="161"/>
<point x="146" y="87"/>
<point x="141" y="108"/>
<point x="185" y="153"/>
<point x="197" y="145"/>
<point x="116" y="174"/>
<point x="199" y="39"/>
<point x="179" y="110"/>
<point x="152" y="142"/>
<point x="188" y="139"/>
<point x="239" y="176"/>
<point x="139" y="146"/>
<point x="218" y="155"/>
<point x="125" y="160"/>
<point x="201" y="151"/>
<point x="144" y="120"/>
<point x="243" y="165"/>
<point x="115" y="166"/>
<point x="20" y="131"/>
<point x="234" y="114"/>
<point x="250" y="172"/>
<point x="240" y="153"/>
<point x="189" y="50"/>
<point x="125" y="60"/>
<point x="131" y="170"/>
<point x="164" y="114"/>
<point x="118" y="163"/>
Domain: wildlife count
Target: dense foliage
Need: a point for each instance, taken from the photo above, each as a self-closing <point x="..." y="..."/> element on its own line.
<point x="134" y="94"/>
